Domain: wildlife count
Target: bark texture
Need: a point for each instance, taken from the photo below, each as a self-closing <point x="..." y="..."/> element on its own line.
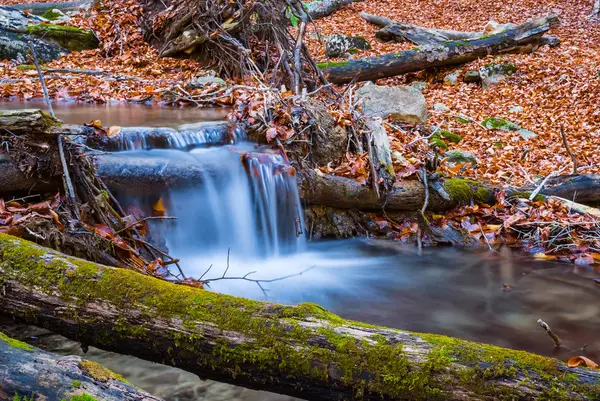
<point x="526" y="37"/>
<point x="26" y="371"/>
<point x="299" y="350"/>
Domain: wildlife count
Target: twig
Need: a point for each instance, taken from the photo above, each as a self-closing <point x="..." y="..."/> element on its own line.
<point x="61" y="152"/>
<point x="553" y="336"/>
<point x="258" y="282"/>
<point x="145" y="219"/>
<point x="544" y="181"/>
<point x="424" y="174"/>
<point x="568" y="148"/>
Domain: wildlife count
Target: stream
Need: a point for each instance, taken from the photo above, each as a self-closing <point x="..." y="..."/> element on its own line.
<point x="248" y="218"/>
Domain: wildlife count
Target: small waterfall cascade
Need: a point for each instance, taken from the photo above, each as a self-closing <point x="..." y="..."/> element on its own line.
<point x="184" y="137"/>
<point x="245" y="204"/>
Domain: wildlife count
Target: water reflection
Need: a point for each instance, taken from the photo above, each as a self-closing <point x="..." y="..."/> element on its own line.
<point x="124" y="115"/>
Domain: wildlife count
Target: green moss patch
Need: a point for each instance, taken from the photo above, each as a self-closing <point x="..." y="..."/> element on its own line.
<point x="15" y="343"/>
<point x="69" y="37"/>
<point x="332" y="64"/>
<point x="52" y="15"/>
<point x="463" y="191"/>
<point x="99" y="372"/>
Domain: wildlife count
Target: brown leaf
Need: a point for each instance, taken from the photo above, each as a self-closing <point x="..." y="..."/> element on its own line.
<point x="158" y="209"/>
<point x="581" y="361"/>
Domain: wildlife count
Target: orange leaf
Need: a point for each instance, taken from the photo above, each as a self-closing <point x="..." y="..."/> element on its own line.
<point x="581" y="360"/>
<point x="112" y="131"/>
<point x="158" y="209"/>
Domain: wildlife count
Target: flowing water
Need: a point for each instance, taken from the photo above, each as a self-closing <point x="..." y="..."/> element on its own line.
<point x="245" y="216"/>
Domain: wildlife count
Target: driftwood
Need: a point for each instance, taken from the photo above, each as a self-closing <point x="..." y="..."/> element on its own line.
<point x="526" y="37"/>
<point x="301" y="350"/>
<point x="30" y="373"/>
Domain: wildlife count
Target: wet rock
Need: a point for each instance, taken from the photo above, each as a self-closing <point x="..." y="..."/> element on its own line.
<point x="340" y="45"/>
<point x="403" y="103"/>
<point x="472" y="76"/>
<point x="329" y="141"/>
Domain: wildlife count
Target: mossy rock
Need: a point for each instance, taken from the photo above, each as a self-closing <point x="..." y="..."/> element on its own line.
<point x="508" y="126"/>
<point x="461" y="156"/>
<point x="69" y="37"/>
<point x="53" y="14"/>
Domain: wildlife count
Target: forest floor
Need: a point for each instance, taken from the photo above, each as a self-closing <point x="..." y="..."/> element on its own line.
<point x="552" y="88"/>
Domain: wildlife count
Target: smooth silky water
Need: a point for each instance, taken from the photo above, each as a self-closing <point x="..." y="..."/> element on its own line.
<point x="248" y="212"/>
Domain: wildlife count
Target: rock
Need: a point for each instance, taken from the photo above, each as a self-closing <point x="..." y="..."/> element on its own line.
<point x="201" y="82"/>
<point x="339" y="45"/>
<point x="403" y="103"/>
<point x="458" y="156"/>
<point x="516" y="109"/>
<point x="441" y="107"/>
<point x="472" y="76"/>
<point x="329" y="141"/>
<point x="55" y="14"/>
<point x="508" y="126"/>
<point x="493" y="28"/>
<point x="490" y="74"/>
<point x="68" y="37"/>
<point x="419" y="85"/>
<point x="13" y="46"/>
<point x="452" y="79"/>
<point x="50" y="41"/>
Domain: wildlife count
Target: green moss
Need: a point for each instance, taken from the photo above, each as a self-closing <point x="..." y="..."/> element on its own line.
<point x="26" y="67"/>
<point x="17" y="397"/>
<point x="451" y="136"/>
<point x="52" y="15"/>
<point x="332" y="64"/>
<point x="15" y="343"/>
<point x="69" y="37"/>
<point x="437" y="142"/>
<point x="463" y="190"/>
<point x="526" y="195"/>
<point x="99" y="372"/>
<point x="76" y="384"/>
<point x="83" y="397"/>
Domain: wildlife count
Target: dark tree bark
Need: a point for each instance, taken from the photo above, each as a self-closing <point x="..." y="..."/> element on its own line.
<point x="26" y="371"/>
<point x="301" y="350"/>
<point x="526" y="37"/>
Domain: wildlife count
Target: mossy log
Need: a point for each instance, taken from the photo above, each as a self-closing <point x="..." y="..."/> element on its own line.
<point x="526" y="37"/>
<point x="30" y="373"/>
<point x="301" y="350"/>
<point x="322" y="8"/>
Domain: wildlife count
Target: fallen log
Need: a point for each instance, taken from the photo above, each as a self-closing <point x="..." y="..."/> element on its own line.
<point x="526" y="37"/>
<point x="416" y="34"/>
<point x="301" y="350"/>
<point x="322" y="8"/>
<point x="34" y="374"/>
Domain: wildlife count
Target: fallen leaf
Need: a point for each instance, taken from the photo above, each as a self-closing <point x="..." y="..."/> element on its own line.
<point x="113" y="131"/>
<point x="581" y="360"/>
<point x="158" y="209"/>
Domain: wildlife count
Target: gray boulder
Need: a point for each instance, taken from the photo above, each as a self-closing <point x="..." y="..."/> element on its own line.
<point x="340" y="45"/>
<point x="50" y="41"/>
<point x="403" y="103"/>
<point x="201" y="82"/>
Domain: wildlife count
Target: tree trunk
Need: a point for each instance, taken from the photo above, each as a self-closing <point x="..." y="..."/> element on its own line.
<point x="26" y="371"/>
<point x="301" y="350"/>
<point x="523" y="38"/>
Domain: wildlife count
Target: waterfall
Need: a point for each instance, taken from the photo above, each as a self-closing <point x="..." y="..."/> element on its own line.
<point x="247" y="206"/>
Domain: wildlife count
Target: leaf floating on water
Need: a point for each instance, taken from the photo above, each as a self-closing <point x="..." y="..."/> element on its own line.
<point x="113" y="131"/>
<point x="543" y="256"/>
<point x="158" y="209"/>
<point x="581" y="361"/>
